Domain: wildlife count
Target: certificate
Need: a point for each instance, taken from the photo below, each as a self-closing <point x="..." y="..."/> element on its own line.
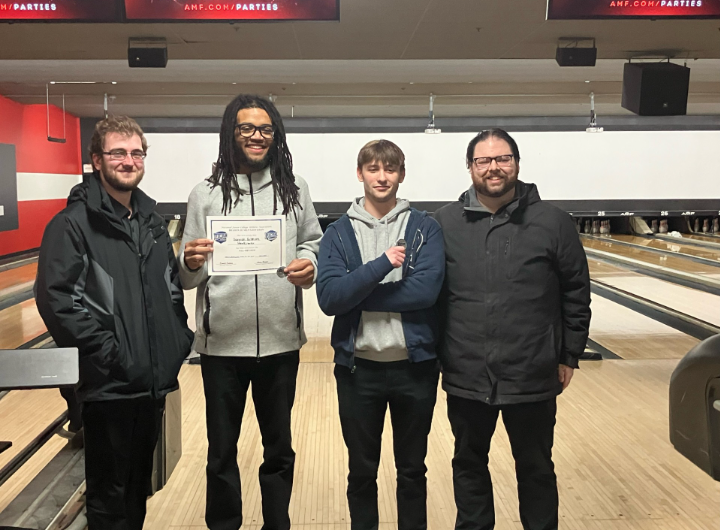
<point x="246" y="245"/>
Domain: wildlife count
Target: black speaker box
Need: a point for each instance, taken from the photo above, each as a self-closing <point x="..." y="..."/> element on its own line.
<point x="150" y="57"/>
<point x="576" y="56"/>
<point x="655" y="89"/>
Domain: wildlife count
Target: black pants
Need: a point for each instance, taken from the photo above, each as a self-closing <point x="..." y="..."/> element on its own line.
<point x="363" y="397"/>
<point x="530" y="428"/>
<point x="226" y="381"/>
<point x="120" y="439"/>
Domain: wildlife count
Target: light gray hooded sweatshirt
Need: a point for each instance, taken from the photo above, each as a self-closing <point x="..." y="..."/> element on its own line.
<point x="380" y="336"/>
<point x="245" y="318"/>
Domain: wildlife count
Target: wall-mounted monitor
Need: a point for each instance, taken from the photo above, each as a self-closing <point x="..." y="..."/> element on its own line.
<point x="583" y="9"/>
<point x="228" y="10"/>
<point x="59" y="10"/>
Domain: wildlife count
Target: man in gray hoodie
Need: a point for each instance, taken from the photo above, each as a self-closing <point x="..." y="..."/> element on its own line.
<point x="381" y="268"/>
<point x="249" y="328"/>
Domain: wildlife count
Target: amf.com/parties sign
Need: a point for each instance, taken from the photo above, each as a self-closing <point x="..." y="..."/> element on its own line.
<point x="61" y="10"/>
<point x="579" y="9"/>
<point x="187" y="10"/>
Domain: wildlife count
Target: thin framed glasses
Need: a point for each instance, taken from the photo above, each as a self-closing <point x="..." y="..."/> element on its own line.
<point x="120" y="154"/>
<point x="247" y="130"/>
<point x="485" y="161"/>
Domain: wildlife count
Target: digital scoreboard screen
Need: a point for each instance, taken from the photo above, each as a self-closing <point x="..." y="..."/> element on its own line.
<point x="58" y="10"/>
<point x="581" y="9"/>
<point x="189" y="10"/>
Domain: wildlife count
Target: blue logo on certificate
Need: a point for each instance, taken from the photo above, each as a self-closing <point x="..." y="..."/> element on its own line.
<point x="271" y="235"/>
<point x="220" y="237"/>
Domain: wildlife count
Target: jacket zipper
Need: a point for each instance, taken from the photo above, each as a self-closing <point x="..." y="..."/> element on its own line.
<point x="347" y="269"/>
<point x="257" y="302"/>
<point x="206" y="315"/>
<point x="507" y="245"/>
<point x="347" y="260"/>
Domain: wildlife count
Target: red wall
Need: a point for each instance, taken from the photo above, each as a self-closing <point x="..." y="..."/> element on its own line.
<point x="26" y="127"/>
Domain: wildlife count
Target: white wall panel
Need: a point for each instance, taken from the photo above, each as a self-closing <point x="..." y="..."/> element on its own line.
<point x="564" y="165"/>
<point x="45" y="186"/>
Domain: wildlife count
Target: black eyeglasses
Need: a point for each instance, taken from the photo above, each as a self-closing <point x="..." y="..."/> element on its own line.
<point x="120" y="154"/>
<point x="485" y="161"/>
<point x="247" y="130"/>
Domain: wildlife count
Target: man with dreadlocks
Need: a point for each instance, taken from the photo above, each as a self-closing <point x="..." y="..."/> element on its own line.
<point x="249" y="328"/>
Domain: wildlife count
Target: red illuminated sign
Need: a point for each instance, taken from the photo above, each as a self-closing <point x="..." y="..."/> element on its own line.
<point x="60" y="10"/>
<point x="160" y="10"/>
<point x="578" y="9"/>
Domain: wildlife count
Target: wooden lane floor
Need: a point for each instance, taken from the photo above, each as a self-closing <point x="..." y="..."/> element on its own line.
<point x="19" y="278"/>
<point x="708" y="238"/>
<point x="616" y="468"/>
<point x="653" y="258"/>
<point x="669" y="246"/>
<point x="693" y="302"/>
<point x="24" y="414"/>
<point x="20" y="323"/>
<point x="631" y="335"/>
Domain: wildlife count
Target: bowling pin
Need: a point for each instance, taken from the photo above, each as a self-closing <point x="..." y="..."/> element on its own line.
<point x="697" y="225"/>
<point x="706" y="226"/>
<point x="716" y="225"/>
<point x="654" y="226"/>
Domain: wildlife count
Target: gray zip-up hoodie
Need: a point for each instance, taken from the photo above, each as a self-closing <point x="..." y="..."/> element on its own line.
<point x="249" y="316"/>
<point x="380" y="336"/>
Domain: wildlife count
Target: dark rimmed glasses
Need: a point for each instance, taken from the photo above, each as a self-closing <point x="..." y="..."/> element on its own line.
<point x="485" y="161"/>
<point x="247" y="130"/>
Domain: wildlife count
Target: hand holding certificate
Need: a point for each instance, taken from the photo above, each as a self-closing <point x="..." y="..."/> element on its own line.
<point x="246" y="245"/>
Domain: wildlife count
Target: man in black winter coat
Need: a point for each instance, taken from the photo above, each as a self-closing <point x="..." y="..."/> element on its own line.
<point x="515" y="312"/>
<point x="107" y="284"/>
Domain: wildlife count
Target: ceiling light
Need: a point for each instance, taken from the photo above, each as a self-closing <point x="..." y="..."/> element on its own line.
<point x="113" y="82"/>
<point x="587" y="81"/>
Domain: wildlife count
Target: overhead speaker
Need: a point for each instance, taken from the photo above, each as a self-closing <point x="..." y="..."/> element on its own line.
<point x="147" y="53"/>
<point x="576" y="56"/>
<point x="655" y="89"/>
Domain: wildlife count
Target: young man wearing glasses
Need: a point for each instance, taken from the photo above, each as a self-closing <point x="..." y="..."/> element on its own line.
<point x="107" y="284"/>
<point x="380" y="271"/>
<point x="515" y="314"/>
<point x="249" y="328"/>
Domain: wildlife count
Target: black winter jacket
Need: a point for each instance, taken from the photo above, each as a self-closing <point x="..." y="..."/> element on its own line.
<point x="516" y="299"/>
<point x="120" y="305"/>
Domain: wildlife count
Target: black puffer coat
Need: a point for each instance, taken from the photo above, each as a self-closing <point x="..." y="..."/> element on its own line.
<point x="516" y="298"/>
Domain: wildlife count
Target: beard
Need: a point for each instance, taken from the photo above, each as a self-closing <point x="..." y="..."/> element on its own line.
<point x="508" y="184"/>
<point x="253" y="165"/>
<point x="111" y="177"/>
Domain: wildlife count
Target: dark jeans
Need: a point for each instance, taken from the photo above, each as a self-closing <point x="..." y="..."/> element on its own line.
<point x="530" y="429"/>
<point x="363" y="397"/>
<point x="120" y="439"/>
<point x="226" y="381"/>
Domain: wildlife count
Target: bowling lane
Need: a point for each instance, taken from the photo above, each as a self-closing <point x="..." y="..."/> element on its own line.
<point x="20" y="323"/>
<point x="669" y="246"/>
<point x="693" y="302"/>
<point x="702" y="237"/>
<point x="652" y="258"/>
<point x="17" y="279"/>
<point x="634" y="336"/>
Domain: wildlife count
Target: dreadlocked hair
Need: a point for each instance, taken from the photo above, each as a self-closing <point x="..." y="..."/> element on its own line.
<point x="280" y="160"/>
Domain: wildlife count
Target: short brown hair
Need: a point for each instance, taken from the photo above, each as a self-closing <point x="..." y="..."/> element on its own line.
<point x="114" y="124"/>
<point x="381" y="151"/>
